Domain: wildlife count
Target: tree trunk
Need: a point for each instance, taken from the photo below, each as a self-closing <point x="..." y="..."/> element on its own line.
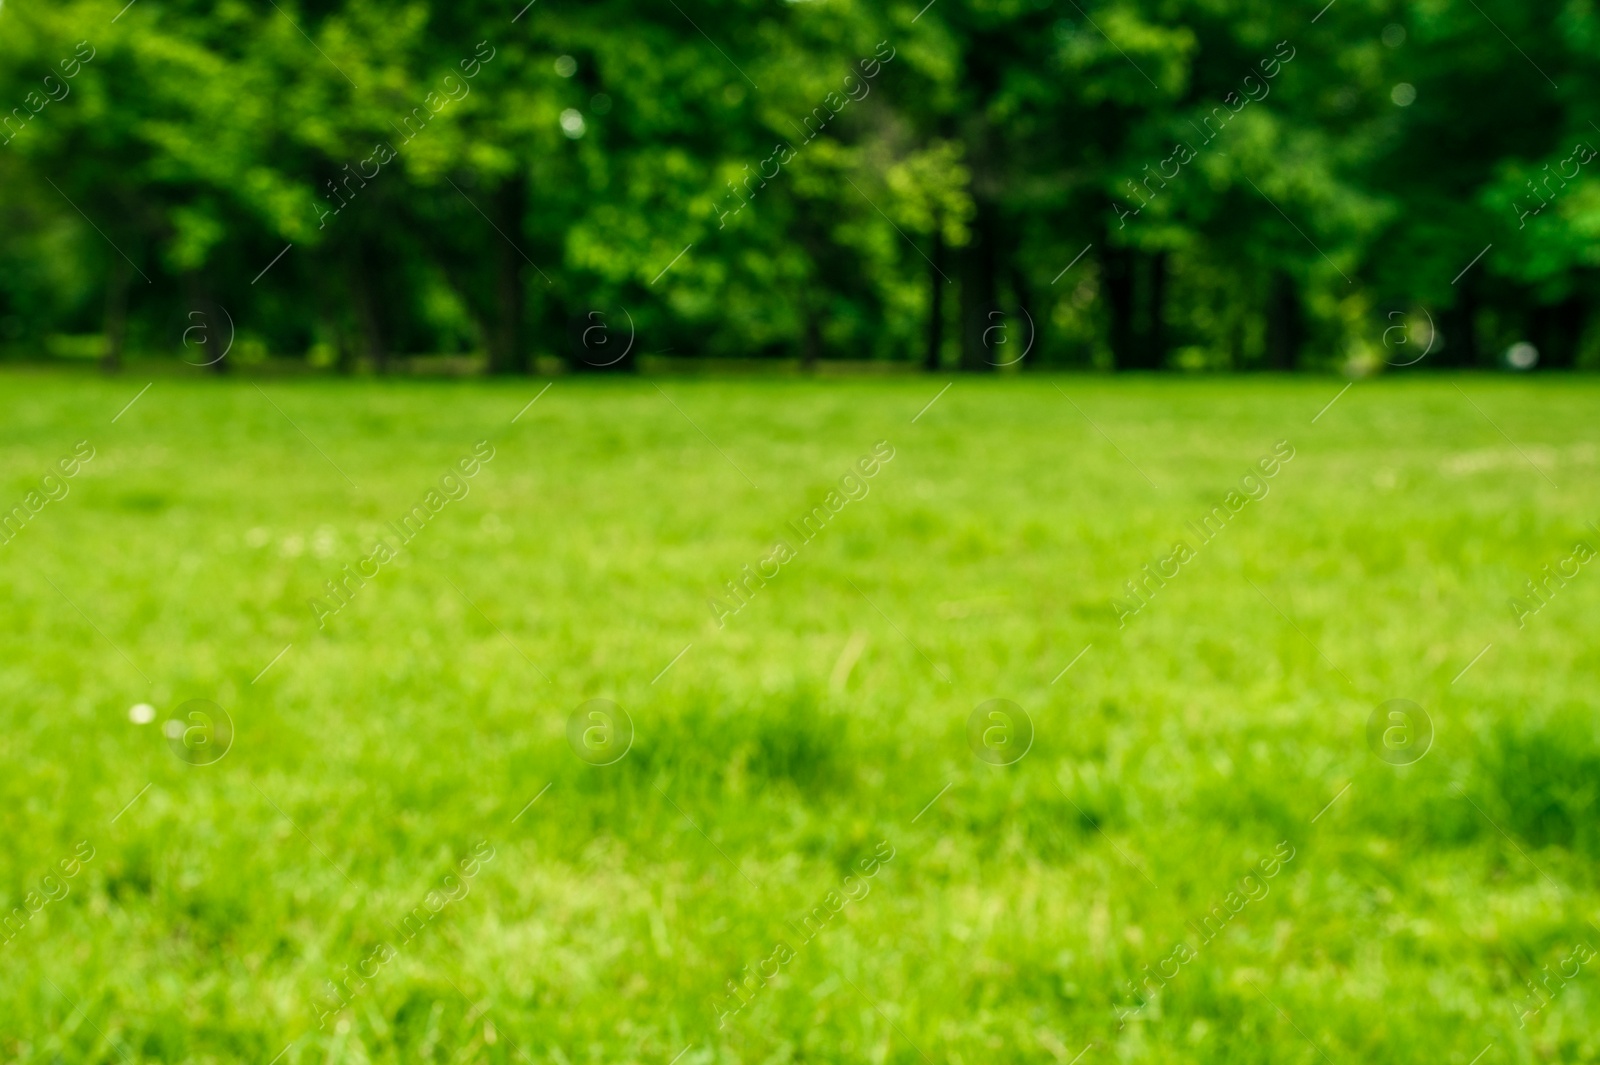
<point x="1285" y="333"/>
<point x="936" y="282"/>
<point x="1154" y="341"/>
<point x="1459" y="331"/>
<point x="1027" y="333"/>
<point x="204" y="312"/>
<point x="369" y="316"/>
<point x="1118" y="267"/>
<point x="507" y="355"/>
<point x="1556" y="332"/>
<point x="1136" y="289"/>
<point x="116" y="315"/>
<point x="344" y="356"/>
<point x="978" y="291"/>
<point x="811" y="342"/>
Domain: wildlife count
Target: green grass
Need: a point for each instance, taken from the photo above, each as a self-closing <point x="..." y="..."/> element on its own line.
<point x="1173" y="757"/>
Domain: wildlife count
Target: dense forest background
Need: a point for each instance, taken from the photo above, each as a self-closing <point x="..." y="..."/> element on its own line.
<point x="1129" y="184"/>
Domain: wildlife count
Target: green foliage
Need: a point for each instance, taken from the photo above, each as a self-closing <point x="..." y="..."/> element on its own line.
<point x="1252" y="185"/>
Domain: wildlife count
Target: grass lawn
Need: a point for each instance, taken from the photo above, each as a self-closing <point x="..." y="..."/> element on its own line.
<point x="1200" y="857"/>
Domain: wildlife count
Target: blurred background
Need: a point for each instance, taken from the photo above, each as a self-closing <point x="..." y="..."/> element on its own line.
<point x="1135" y="184"/>
<point x="1373" y="689"/>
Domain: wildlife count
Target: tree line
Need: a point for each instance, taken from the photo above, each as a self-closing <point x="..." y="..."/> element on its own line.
<point x="1127" y="184"/>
